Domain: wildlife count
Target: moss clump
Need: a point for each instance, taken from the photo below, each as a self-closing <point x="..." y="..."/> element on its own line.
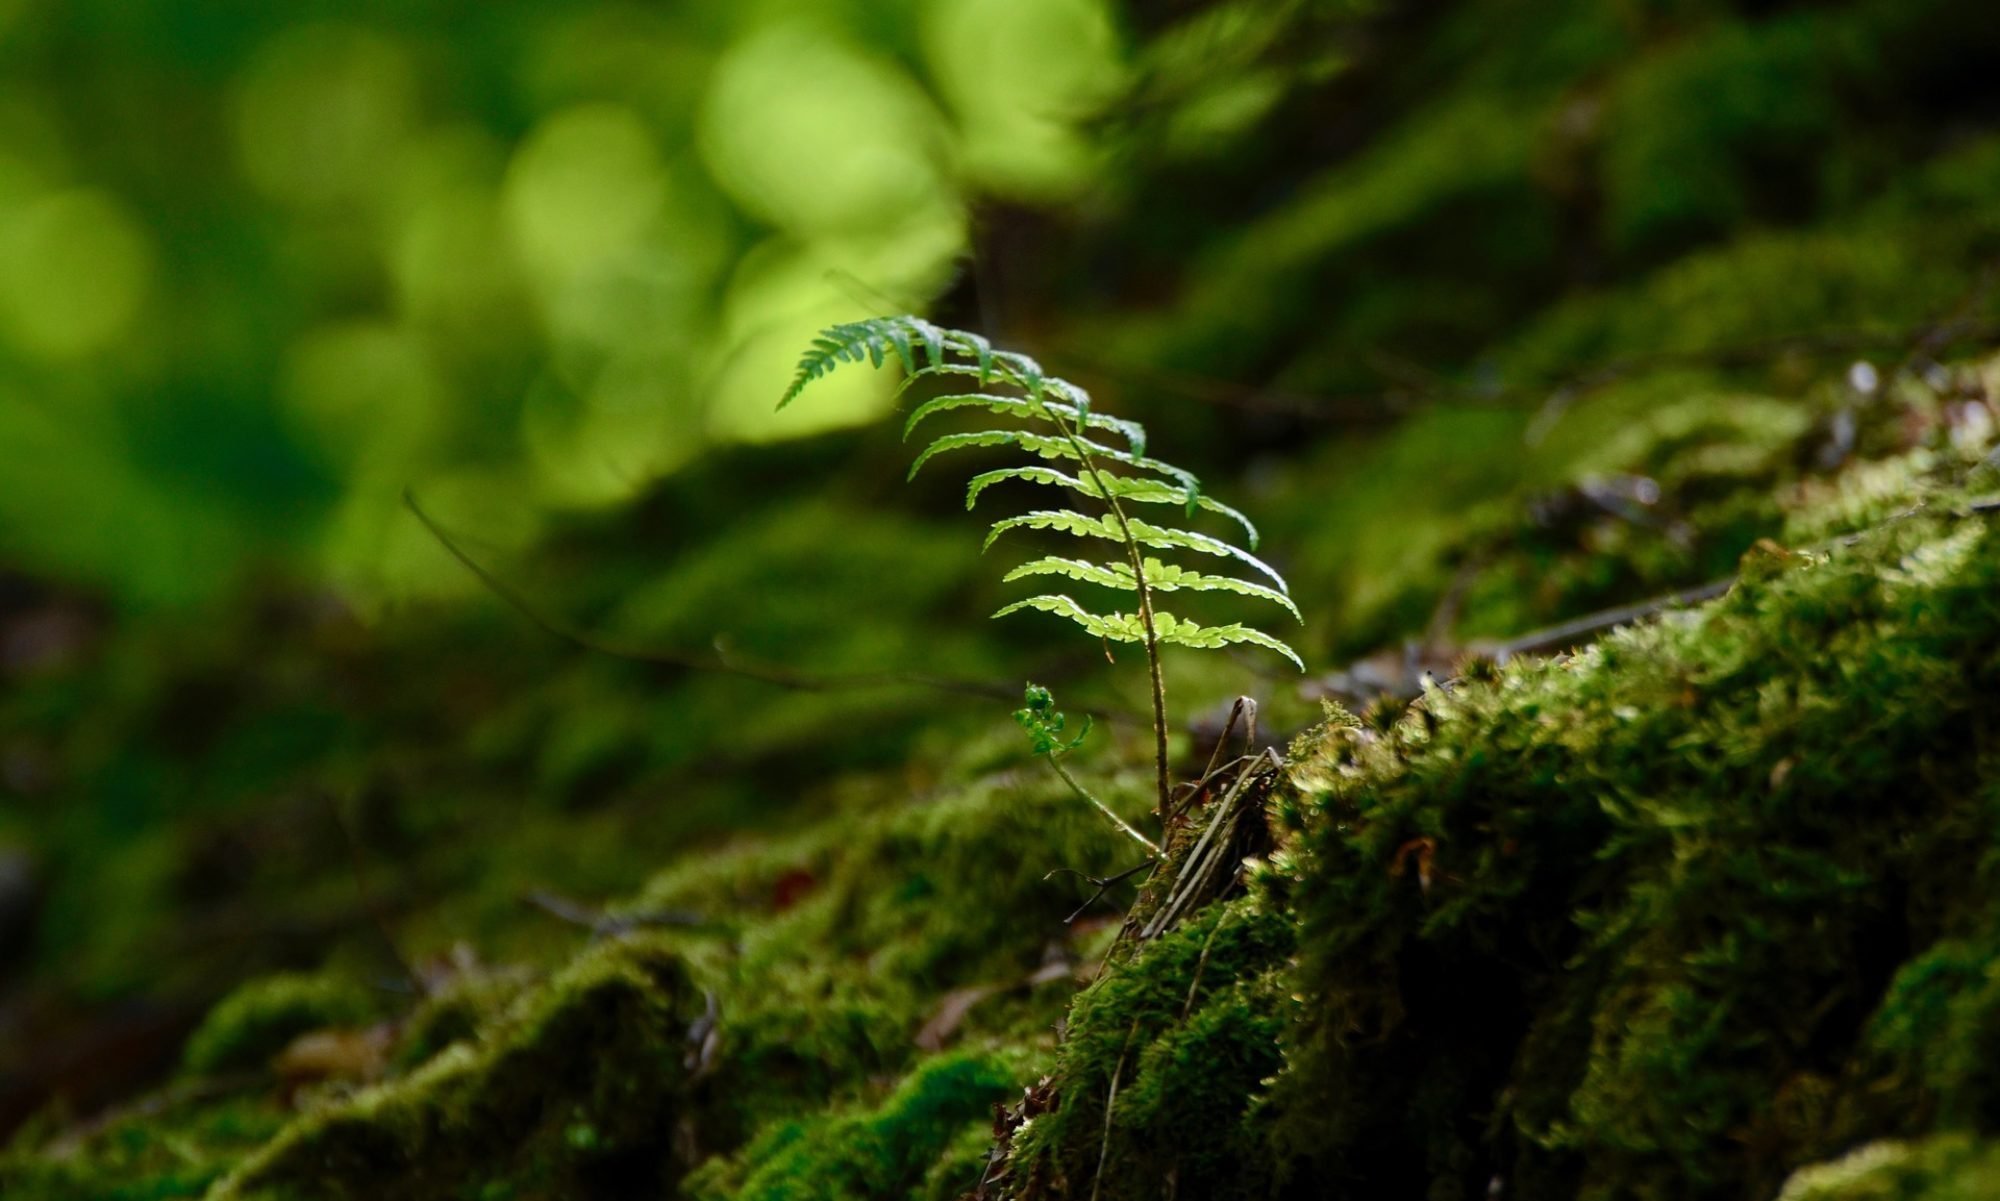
<point x="1945" y="1168"/>
<point x="176" y="1145"/>
<point x="1187" y="1027"/>
<point x="927" y="1138"/>
<point x="259" y="1019"/>
<point x="1673" y="879"/>
<point x="575" y="1094"/>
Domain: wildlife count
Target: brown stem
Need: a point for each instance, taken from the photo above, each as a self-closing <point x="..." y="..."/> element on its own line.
<point x="1110" y="500"/>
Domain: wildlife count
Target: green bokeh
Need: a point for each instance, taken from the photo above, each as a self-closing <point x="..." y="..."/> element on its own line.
<point x="263" y="268"/>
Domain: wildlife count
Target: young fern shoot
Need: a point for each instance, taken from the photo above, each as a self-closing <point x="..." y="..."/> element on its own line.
<point x="1058" y="427"/>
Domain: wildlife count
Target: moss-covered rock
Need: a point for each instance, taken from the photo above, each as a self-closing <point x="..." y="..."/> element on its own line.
<point x="577" y="1094"/>
<point x="1673" y="879"/>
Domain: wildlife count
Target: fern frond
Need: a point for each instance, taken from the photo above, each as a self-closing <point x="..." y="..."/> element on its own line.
<point x="1124" y="487"/>
<point x="1102" y="473"/>
<point x="1052" y="448"/>
<point x="1171" y="630"/>
<point x="1144" y="533"/>
<point x="1133" y="433"/>
<point x="874" y="340"/>
<point x="1160" y="577"/>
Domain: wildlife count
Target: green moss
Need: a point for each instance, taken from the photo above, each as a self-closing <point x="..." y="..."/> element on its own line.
<point x="455" y="1012"/>
<point x="915" y="1143"/>
<point x="262" y="1017"/>
<point x="776" y="1042"/>
<point x="1673" y="876"/>
<point x="175" y="1146"/>
<point x="577" y="1093"/>
<point x="850" y="940"/>
<point x="1188" y="1028"/>
<point x="1946" y="1168"/>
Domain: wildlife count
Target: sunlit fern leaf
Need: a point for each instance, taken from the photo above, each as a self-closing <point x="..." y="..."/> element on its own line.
<point x="1124" y="487"/>
<point x="898" y="337"/>
<point x="1057" y="447"/>
<point x="1105" y="575"/>
<point x="981" y="351"/>
<point x="874" y="340"/>
<point x="1171" y="630"/>
<point x="1116" y="627"/>
<point x="1144" y="533"/>
<point x="1048" y="410"/>
<point x="1160" y="577"/>
<point x="1177" y="631"/>
<point x="1023" y="372"/>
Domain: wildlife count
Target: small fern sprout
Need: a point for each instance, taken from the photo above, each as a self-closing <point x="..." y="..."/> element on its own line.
<point x="1093" y="456"/>
<point x="1047" y="726"/>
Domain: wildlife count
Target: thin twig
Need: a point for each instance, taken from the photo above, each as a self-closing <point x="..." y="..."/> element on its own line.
<point x="1209" y="853"/>
<point x="1111" y="1101"/>
<point x="376" y="917"/>
<point x="610" y="925"/>
<point x="1104" y="883"/>
<point x="717" y="662"/>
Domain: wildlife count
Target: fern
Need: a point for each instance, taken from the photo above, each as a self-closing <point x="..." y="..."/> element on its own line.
<point x="1055" y="423"/>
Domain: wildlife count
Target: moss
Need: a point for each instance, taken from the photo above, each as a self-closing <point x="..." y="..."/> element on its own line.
<point x="776" y="1042"/>
<point x="852" y="938"/>
<point x="576" y="1094"/>
<point x="1945" y="1168"/>
<point x="914" y="1143"/>
<point x="1882" y="269"/>
<point x="260" y="1018"/>
<point x="1673" y="877"/>
<point x="1188" y="1028"/>
<point x="454" y="1012"/>
<point x="177" y="1145"/>
<point x="1748" y="103"/>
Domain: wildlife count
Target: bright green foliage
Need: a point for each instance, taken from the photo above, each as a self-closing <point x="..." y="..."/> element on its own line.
<point x="1175" y="631"/>
<point x="1047" y="725"/>
<point x="924" y="350"/>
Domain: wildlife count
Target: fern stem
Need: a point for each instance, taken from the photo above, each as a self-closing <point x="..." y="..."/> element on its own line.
<point x="1151" y="847"/>
<point x="1145" y="611"/>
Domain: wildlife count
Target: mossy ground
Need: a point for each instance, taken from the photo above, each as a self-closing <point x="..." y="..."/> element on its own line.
<point x="1674" y="916"/>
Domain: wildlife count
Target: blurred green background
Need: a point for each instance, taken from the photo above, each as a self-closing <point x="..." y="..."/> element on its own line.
<point x="1490" y="312"/>
<point x="263" y="267"/>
